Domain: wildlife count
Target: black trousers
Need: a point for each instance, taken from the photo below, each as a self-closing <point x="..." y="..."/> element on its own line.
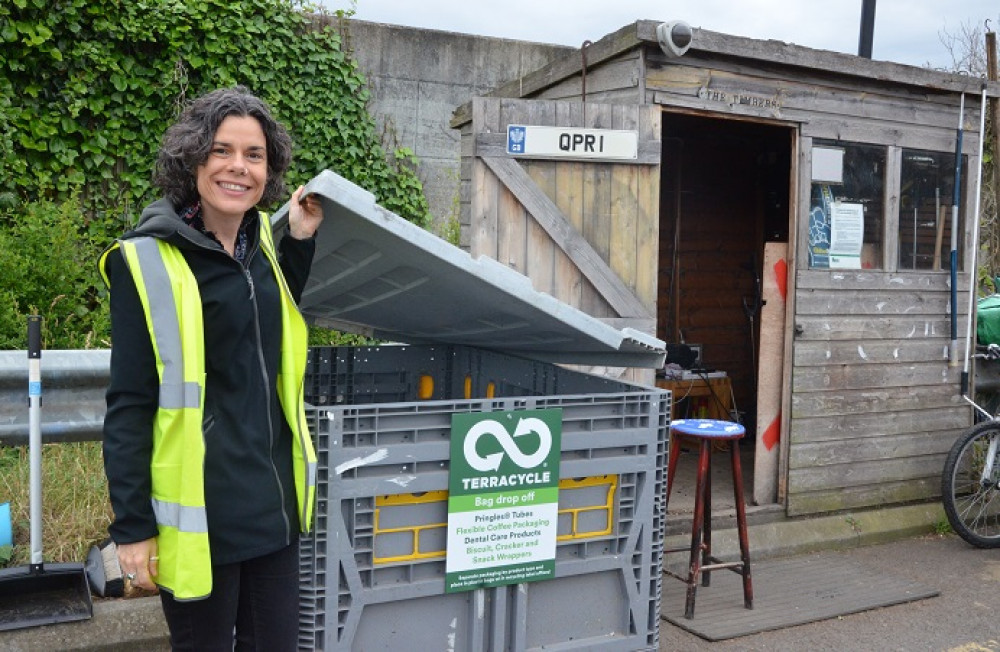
<point x="254" y="605"/>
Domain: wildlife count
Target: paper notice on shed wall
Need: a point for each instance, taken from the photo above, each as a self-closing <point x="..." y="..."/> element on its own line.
<point x="847" y="235"/>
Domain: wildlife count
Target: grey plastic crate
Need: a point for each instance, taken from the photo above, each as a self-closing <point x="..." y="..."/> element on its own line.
<point x="373" y="571"/>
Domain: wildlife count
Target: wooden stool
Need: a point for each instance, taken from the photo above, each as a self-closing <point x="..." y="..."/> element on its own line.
<point x="704" y="433"/>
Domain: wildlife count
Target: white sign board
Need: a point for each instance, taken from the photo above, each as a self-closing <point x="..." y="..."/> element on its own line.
<point x="569" y="142"/>
<point x="847" y="234"/>
<point x="503" y="498"/>
<point x="828" y="165"/>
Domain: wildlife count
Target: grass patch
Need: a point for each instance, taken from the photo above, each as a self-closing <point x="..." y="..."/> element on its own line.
<point x="942" y="527"/>
<point x="75" y="507"/>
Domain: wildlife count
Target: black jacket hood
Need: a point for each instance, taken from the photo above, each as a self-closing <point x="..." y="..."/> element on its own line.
<point x="160" y="220"/>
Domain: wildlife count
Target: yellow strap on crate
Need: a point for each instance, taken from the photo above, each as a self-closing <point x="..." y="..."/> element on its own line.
<point x="569" y="484"/>
<point x="403" y="500"/>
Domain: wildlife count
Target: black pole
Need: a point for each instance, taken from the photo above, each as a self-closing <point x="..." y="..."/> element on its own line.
<point x="956" y="199"/>
<point x="867" y="36"/>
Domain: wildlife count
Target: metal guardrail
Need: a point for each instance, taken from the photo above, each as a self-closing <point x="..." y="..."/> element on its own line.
<point x="73" y="387"/>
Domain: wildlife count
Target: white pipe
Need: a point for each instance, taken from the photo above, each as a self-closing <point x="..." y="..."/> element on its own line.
<point x="975" y="241"/>
<point x="35" y="440"/>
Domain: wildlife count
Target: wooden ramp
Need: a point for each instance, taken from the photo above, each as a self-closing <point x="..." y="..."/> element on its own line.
<point x="787" y="592"/>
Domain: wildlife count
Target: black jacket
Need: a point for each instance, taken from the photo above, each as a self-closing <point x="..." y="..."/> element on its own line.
<point x="249" y="488"/>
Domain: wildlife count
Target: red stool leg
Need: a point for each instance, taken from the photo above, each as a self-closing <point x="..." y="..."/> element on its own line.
<point x="697" y="527"/>
<point x="706" y="543"/>
<point x="741" y="524"/>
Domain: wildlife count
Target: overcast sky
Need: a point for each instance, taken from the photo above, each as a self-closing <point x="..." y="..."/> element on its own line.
<point x="906" y="31"/>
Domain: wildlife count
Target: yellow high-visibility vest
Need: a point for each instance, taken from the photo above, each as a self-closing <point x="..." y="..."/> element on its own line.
<point x="174" y="320"/>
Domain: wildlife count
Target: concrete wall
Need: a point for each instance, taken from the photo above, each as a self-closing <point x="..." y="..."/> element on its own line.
<point x="418" y="77"/>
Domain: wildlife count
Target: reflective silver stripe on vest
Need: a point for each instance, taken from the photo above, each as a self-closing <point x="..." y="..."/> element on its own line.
<point x="186" y="519"/>
<point x="174" y="392"/>
<point x="311" y="474"/>
<point x="310" y="485"/>
<point x="311" y="470"/>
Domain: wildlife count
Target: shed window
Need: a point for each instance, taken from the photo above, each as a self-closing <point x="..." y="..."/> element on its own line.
<point x="846" y="211"/>
<point x="926" y="195"/>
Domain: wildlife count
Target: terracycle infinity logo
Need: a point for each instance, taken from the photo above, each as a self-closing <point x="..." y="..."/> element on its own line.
<point x="497" y="430"/>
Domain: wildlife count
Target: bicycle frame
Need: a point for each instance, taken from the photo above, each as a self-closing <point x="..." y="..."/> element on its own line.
<point x="978" y="408"/>
<point x="991" y="458"/>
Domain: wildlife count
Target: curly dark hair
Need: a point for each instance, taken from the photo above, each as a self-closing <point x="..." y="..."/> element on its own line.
<point x="188" y="142"/>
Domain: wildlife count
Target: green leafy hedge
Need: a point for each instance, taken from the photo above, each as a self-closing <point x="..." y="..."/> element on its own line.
<point x="87" y="88"/>
<point x="48" y="267"/>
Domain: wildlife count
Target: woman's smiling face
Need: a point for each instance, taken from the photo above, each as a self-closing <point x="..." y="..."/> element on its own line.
<point x="231" y="180"/>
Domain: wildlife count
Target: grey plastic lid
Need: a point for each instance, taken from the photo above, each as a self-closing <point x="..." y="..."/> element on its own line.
<point x="377" y="274"/>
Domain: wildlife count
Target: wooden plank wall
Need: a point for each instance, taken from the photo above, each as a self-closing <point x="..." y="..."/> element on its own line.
<point x="615" y="206"/>
<point x="874" y="404"/>
<point x="615" y="81"/>
<point x="826" y="105"/>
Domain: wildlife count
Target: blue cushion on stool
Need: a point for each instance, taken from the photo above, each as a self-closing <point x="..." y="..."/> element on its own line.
<point x="708" y="428"/>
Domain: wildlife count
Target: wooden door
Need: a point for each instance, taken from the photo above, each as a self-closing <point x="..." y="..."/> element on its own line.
<point x="584" y="231"/>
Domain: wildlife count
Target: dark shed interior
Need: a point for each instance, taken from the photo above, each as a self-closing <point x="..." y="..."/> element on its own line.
<point x="725" y="191"/>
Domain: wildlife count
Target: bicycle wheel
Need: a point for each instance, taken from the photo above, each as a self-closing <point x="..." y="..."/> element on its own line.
<point x="970" y="494"/>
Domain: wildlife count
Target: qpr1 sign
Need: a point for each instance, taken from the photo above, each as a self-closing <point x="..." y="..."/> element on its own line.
<point x="572" y="143"/>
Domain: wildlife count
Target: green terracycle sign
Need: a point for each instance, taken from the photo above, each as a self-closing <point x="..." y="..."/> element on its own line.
<point x="503" y="498"/>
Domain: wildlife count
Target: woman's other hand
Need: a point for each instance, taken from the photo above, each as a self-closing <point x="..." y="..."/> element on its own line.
<point x="139" y="563"/>
<point x="304" y="215"/>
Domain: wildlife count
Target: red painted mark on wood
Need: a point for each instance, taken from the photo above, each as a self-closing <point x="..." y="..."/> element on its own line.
<point x="781" y="275"/>
<point x="773" y="433"/>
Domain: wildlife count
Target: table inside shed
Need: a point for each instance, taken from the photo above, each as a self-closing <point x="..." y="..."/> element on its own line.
<point x="708" y="396"/>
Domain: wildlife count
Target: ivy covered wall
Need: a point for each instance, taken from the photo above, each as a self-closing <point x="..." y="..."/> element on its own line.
<point x="87" y="88"/>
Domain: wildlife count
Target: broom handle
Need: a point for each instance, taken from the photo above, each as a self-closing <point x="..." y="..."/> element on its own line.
<point x="942" y="215"/>
<point x="35" y="436"/>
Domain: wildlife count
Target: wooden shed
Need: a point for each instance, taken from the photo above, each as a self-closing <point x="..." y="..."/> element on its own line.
<point x="786" y="209"/>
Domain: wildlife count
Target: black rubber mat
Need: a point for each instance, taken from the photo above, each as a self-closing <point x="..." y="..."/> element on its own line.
<point x="787" y="592"/>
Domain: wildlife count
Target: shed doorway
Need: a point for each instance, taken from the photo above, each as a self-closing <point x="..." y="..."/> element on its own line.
<point x="725" y="192"/>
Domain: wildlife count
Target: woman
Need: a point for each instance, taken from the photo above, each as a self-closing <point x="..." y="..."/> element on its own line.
<point x="208" y="457"/>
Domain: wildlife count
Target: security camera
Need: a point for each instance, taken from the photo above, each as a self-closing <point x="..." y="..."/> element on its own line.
<point x="674" y="37"/>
